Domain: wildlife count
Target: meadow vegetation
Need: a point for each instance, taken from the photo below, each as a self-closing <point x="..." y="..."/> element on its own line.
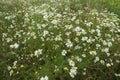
<point x="60" y="40"/>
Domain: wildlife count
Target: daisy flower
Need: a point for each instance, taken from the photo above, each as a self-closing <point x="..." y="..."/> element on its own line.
<point x="38" y="52"/>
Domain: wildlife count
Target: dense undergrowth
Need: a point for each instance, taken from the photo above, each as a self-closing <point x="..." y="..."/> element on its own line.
<point x="59" y="40"/>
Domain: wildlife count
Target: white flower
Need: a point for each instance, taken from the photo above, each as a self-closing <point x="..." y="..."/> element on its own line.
<point x="84" y="38"/>
<point x="77" y="29"/>
<point x="108" y="64"/>
<point x="58" y="38"/>
<point x="73" y="18"/>
<point x="98" y="45"/>
<point x="83" y="32"/>
<point x="54" y="21"/>
<point x="11" y="72"/>
<point x="93" y="53"/>
<point x="58" y="15"/>
<point x="44" y="78"/>
<point x="89" y="40"/>
<point x="92" y="31"/>
<point x="64" y="52"/>
<point x="102" y="62"/>
<point x="78" y="59"/>
<point x="84" y="55"/>
<point x="9" y="67"/>
<point x="109" y="44"/>
<point x="108" y="54"/>
<point x="68" y="26"/>
<point x="78" y="33"/>
<point x="38" y="52"/>
<point x="71" y="63"/>
<point x="8" y="39"/>
<point x="118" y="75"/>
<point x="45" y="17"/>
<point x="15" y="46"/>
<point x="104" y="42"/>
<point x="68" y="33"/>
<point x="96" y="59"/>
<point x="45" y="32"/>
<point x="89" y="23"/>
<point x="73" y="72"/>
<point x="106" y="50"/>
<point x="69" y="43"/>
<point x="14" y="63"/>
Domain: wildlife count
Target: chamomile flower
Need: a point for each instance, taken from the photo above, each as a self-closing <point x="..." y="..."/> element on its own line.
<point x="44" y="78"/>
<point x="93" y="53"/>
<point x="15" y="46"/>
<point x="73" y="72"/>
<point x="11" y="72"/>
<point x="64" y="52"/>
<point x="84" y="38"/>
<point x="71" y="63"/>
<point x="69" y="44"/>
<point x="38" y="52"/>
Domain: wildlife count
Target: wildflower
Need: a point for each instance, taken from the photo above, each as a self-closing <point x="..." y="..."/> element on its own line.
<point x="38" y="52"/>
<point x="116" y="74"/>
<point x="78" y="59"/>
<point x="108" y="64"/>
<point x="54" y="21"/>
<point x="58" y="38"/>
<point x="65" y="68"/>
<point x="106" y="50"/>
<point x="109" y="44"/>
<point x="77" y="21"/>
<point x="73" y="72"/>
<point x="71" y="63"/>
<point x="68" y="27"/>
<point x="14" y="63"/>
<point x="68" y="33"/>
<point x="45" y="33"/>
<point x="44" y="78"/>
<point x="76" y="39"/>
<point x="9" y="68"/>
<point x="96" y="59"/>
<point x="45" y="17"/>
<point x="31" y="55"/>
<point x="83" y="32"/>
<point x="22" y="66"/>
<point x="64" y="52"/>
<point x="11" y="72"/>
<point x="93" y="53"/>
<point x="69" y="43"/>
<point x="15" y="46"/>
<point x="84" y="55"/>
<point x="84" y="38"/>
<point x="84" y="73"/>
<point x="36" y="72"/>
<point x="98" y="45"/>
<point x="102" y="62"/>
<point x="77" y="29"/>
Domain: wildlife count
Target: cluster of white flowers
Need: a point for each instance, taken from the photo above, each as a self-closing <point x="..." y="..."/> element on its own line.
<point x="69" y="44"/>
<point x="14" y="46"/>
<point x="73" y="70"/>
<point x="62" y="36"/>
<point x="44" y="78"/>
<point x="93" y="53"/>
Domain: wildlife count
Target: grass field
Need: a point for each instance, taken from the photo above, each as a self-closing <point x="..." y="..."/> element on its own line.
<point x="59" y="40"/>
